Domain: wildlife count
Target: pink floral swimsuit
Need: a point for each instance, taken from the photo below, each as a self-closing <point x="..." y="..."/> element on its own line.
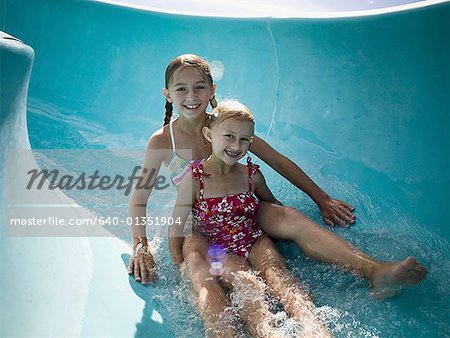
<point x="228" y="221"/>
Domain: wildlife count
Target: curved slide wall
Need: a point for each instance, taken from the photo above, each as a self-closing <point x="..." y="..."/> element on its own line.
<point x="27" y="295"/>
<point x="360" y="103"/>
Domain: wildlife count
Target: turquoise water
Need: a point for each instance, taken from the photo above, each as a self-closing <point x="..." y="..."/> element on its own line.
<point x="383" y="230"/>
<point x="361" y="104"/>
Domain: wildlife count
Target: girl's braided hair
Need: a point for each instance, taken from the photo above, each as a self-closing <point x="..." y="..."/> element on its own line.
<point x="182" y="61"/>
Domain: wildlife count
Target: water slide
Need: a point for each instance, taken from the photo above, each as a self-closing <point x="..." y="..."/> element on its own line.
<point x="360" y="100"/>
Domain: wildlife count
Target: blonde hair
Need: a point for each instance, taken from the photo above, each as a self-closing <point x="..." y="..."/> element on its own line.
<point x="230" y="109"/>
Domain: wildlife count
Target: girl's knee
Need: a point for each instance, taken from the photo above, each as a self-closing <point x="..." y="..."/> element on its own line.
<point x="195" y="257"/>
<point x="236" y="263"/>
<point x="209" y="292"/>
<point x="212" y="299"/>
<point x="266" y="259"/>
<point x="231" y="266"/>
<point x="197" y="267"/>
<point x="196" y="243"/>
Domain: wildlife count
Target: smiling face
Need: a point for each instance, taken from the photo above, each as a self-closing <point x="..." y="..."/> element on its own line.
<point x="189" y="92"/>
<point x="230" y="139"/>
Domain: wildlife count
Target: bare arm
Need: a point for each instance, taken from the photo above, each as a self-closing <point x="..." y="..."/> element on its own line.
<point x="261" y="190"/>
<point x="181" y="212"/>
<point x="333" y="211"/>
<point x="141" y="263"/>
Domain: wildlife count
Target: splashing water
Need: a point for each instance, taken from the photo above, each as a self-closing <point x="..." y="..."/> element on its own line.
<point x="342" y="299"/>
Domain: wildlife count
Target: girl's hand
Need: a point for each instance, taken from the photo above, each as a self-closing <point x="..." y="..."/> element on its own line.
<point x="142" y="264"/>
<point x="337" y="212"/>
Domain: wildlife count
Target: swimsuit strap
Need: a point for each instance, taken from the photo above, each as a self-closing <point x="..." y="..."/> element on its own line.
<point x="198" y="172"/>
<point x="252" y="169"/>
<point x="172" y="137"/>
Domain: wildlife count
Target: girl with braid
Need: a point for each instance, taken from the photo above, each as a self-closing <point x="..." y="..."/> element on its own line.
<point x="190" y="89"/>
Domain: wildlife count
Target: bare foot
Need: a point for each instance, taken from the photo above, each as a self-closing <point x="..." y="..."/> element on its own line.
<point x="392" y="277"/>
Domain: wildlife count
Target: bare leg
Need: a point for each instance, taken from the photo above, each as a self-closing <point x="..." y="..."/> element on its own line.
<point x="211" y="299"/>
<point x="265" y="258"/>
<point x="321" y="244"/>
<point x="249" y="296"/>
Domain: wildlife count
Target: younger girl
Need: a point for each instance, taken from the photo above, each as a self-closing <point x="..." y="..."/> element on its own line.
<point x="223" y="203"/>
